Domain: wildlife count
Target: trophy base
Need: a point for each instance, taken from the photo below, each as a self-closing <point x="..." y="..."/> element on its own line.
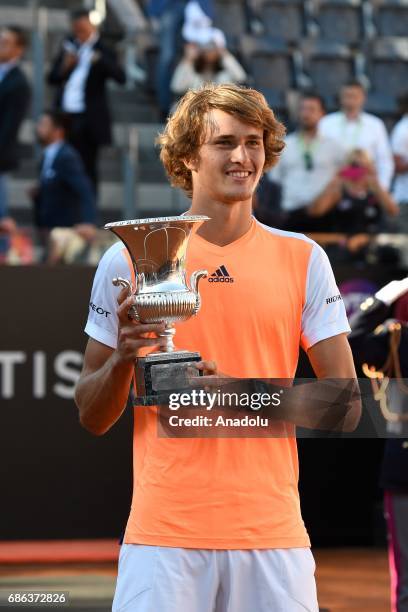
<point x="158" y="374"/>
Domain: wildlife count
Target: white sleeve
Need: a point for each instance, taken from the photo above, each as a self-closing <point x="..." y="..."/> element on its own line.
<point x="325" y="126"/>
<point x="323" y="313"/>
<point x="399" y="140"/>
<point x="384" y="160"/>
<point x="184" y="78"/>
<point x="102" y="323"/>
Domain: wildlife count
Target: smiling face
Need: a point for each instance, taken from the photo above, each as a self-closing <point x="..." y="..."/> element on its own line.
<point x="230" y="160"/>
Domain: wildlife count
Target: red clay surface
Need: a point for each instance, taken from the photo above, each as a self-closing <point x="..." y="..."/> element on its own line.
<point x="59" y="551"/>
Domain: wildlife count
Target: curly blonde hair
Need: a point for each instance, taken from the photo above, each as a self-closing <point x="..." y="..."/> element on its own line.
<point x="186" y="128"/>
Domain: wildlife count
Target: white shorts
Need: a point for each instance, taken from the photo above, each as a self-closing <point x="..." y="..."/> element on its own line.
<point x="166" y="579"/>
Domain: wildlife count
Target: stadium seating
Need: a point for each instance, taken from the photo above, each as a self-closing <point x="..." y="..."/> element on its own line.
<point x="388" y="68"/>
<point x="340" y="21"/>
<point x="297" y="44"/>
<point x="230" y="17"/>
<point x="391" y="17"/>
<point x="283" y="19"/>
<point x="269" y="63"/>
<point x="329" y="65"/>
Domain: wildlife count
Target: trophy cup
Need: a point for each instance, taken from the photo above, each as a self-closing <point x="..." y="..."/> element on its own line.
<point x="157" y="248"/>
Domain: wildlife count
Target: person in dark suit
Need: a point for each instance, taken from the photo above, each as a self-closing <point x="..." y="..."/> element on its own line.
<point x="14" y="101"/>
<point x="63" y="196"/>
<point x="80" y="71"/>
<point x="383" y="343"/>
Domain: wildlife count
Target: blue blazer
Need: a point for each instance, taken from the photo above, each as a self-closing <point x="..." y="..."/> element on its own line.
<point x="14" y="103"/>
<point x="97" y="113"/>
<point x="65" y="195"/>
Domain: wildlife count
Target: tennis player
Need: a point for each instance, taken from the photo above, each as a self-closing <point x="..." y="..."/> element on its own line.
<point x="215" y="523"/>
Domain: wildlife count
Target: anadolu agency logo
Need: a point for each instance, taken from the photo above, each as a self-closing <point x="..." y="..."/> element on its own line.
<point x="221" y="275"/>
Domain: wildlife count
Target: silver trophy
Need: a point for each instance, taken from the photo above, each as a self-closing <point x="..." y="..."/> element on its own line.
<point x="157" y="248"/>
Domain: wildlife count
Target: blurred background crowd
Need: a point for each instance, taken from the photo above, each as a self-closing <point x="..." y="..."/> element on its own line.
<point x="85" y="88"/>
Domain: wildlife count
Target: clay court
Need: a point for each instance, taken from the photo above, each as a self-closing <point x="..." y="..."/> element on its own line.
<point x="347" y="579"/>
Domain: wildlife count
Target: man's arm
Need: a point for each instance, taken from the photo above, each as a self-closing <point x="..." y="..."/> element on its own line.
<point x="62" y="67"/>
<point x="324" y="338"/>
<point x="332" y="358"/>
<point x="103" y="387"/>
<point x="107" y="60"/>
<point x="331" y="403"/>
<point x="102" y="377"/>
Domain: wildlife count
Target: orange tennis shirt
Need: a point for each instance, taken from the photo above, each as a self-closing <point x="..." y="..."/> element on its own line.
<point x="266" y="294"/>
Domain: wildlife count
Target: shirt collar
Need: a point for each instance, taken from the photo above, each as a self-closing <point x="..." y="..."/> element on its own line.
<point x="5" y="67"/>
<point x="358" y="119"/>
<point x="53" y="148"/>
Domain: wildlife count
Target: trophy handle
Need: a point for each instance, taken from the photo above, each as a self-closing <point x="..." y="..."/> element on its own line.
<point x="194" y="280"/>
<point x="118" y="281"/>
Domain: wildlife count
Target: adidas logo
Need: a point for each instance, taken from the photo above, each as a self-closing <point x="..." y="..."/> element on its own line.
<point x="220" y="276"/>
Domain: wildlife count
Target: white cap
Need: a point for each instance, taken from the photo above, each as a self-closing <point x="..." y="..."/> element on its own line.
<point x="197" y="28"/>
<point x="205" y="37"/>
<point x="195" y="16"/>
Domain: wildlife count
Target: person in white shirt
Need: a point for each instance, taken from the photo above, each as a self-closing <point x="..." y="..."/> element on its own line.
<point x="353" y="128"/>
<point x="308" y="163"/>
<point x="206" y="59"/>
<point x="80" y="72"/>
<point x="399" y="144"/>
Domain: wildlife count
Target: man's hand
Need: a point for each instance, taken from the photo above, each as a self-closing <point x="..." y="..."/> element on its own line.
<point x="69" y="62"/>
<point x="208" y="368"/>
<point x="211" y="378"/>
<point x="132" y="335"/>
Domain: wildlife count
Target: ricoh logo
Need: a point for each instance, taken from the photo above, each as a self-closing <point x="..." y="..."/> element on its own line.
<point x="334" y="298"/>
<point x="42" y="374"/>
